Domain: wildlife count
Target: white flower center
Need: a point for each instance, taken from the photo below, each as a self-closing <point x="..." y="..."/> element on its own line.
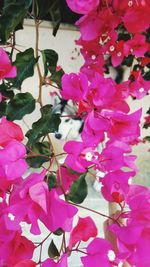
<point x="141" y="90"/>
<point x="93" y="57"/>
<point x="119" y="54"/>
<point x="88" y="156"/>
<point x="130" y="3"/>
<point x="111" y="255"/>
<point x="11" y="216"/>
<point x="111" y="48"/>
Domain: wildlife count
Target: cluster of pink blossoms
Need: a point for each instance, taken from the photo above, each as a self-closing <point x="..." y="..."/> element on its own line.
<point x="102" y="104"/>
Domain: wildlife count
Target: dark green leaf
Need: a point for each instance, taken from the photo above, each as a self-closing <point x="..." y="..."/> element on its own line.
<point x="50" y="58"/>
<point x="53" y="252"/>
<point x="4" y="89"/>
<point x="56" y="77"/>
<point x="51" y="180"/>
<point x="146" y="125"/>
<point x="25" y="62"/>
<point x="148" y="112"/>
<point x="41" y="149"/>
<point x="55" y="16"/>
<point x="3" y="106"/>
<point x="13" y="14"/>
<point x="147" y="138"/>
<point x="128" y="61"/>
<point x="20" y="105"/>
<point x="147" y="76"/>
<point x="78" y="191"/>
<point x="48" y="123"/>
<point x="58" y="232"/>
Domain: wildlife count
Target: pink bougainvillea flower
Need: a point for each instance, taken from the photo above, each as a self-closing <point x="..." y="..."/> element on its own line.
<point x="139" y="87"/>
<point x="138" y="201"/>
<point x="74" y="86"/>
<point x="100" y="88"/>
<point x="9" y="131"/>
<point x="94" y="127"/>
<point x="110" y="159"/>
<point x="6" y="69"/>
<point x="30" y="210"/>
<point x="67" y="178"/>
<point x="83" y="6"/>
<point x="134" y="241"/>
<point x="104" y="94"/>
<point x="124" y="127"/>
<point x="83" y="231"/>
<point x="115" y="185"/>
<point x="26" y="263"/>
<point x="136" y="14"/>
<point x="51" y="263"/>
<point x="38" y="203"/>
<point x="116" y="52"/>
<point x="98" y="254"/>
<point x="90" y="26"/>
<point x="11" y="160"/>
<point x="137" y="46"/>
<point x="79" y="156"/>
<point x="59" y="213"/>
<point x="15" y="250"/>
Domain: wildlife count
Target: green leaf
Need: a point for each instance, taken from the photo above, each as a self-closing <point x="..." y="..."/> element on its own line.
<point x="53" y="252"/>
<point x="41" y="149"/>
<point x="56" y="77"/>
<point x="55" y="16"/>
<point x="147" y="138"/>
<point x="128" y="61"/>
<point x="20" y="105"/>
<point x="3" y="106"/>
<point x="48" y="123"/>
<point x="13" y="14"/>
<point x="25" y="62"/>
<point x="51" y="180"/>
<point x="50" y="58"/>
<point x="4" y="89"/>
<point x="58" y="232"/>
<point x="78" y="191"/>
<point x="146" y="125"/>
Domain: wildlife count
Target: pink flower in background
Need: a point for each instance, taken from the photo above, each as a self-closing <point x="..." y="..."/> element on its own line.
<point x="111" y="159"/>
<point x="51" y="263"/>
<point x="124" y="127"/>
<point x="59" y="213"/>
<point x="9" y="131"/>
<point x="115" y="186"/>
<point x="137" y="46"/>
<point x="137" y="19"/>
<point x="67" y="178"/>
<point x="79" y="156"/>
<point x="16" y="249"/>
<point x="90" y="27"/>
<point x="26" y="263"/>
<point x="94" y="128"/>
<point x="38" y="203"/>
<point x="101" y="91"/>
<point x="6" y="69"/>
<point x="74" y="86"/>
<point x="82" y="6"/>
<point x="12" y="160"/>
<point x="98" y="254"/>
<point x="139" y="87"/>
<point x="83" y="231"/>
